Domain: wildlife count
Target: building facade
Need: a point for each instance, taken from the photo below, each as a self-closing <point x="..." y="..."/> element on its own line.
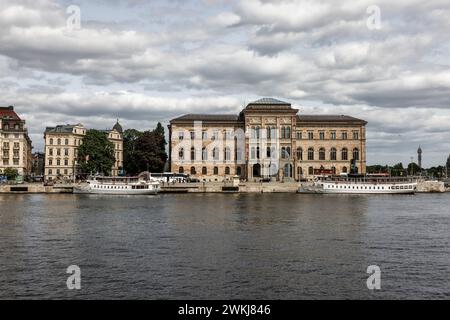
<point x="61" y="150"/>
<point x="15" y="144"/>
<point x="268" y="139"/>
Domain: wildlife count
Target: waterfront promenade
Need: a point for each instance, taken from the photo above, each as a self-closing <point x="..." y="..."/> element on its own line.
<point x="202" y="187"/>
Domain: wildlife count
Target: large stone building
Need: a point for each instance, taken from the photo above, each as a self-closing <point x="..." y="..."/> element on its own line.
<point x="268" y="139"/>
<point x="15" y="144"/>
<point x="61" y="150"/>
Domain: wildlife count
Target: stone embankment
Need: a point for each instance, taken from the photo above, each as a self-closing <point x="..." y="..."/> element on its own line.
<point x="34" y="188"/>
<point x="431" y="187"/>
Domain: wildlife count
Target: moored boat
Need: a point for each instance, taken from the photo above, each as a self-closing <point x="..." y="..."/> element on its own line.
<point x="362" y="185"/>
<point x="141" y="185"/>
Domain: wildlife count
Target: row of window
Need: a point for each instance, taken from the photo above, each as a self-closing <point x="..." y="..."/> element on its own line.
<point x="215" y="171"/>
<point x="272" y="132"/>
<point x="6" y="126"/>
<point x="255" y="153"/>
<point x="6" y="162"/>
<point x="58" y="172"/>
<point x="15" y="146"/>
<point x="407" y="187"/>
<point x="78" y="142"/>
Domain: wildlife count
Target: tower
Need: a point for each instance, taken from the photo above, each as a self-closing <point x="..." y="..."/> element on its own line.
<point x="419" y="157"/>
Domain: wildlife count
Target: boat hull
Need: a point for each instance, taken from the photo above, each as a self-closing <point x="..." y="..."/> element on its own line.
<point x="115" y="192"/>
<point x="332" y="188"/>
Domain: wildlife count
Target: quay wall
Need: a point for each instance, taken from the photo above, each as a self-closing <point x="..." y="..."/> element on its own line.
<point x="34" y="188"/>
<point x="430" y="187"/>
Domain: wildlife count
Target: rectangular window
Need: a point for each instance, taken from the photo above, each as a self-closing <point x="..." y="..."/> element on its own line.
<point x="204" y="135"/>
<point x="310" y="135"/>
<point x="355" y="135"/>
<point x="299" y="135"/>
<point x="333" y="135"/>
<point x="192" y="133"/>
<point x="344" y="135"/>
<point x="180" y="135"/>
<point x="322" y="135"/>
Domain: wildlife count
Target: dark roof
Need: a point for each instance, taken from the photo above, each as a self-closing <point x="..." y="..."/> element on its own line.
<point x="268" y="103"/>
<point x="118" y="127"/>
<point x="8" y="113"/>
<point x="60" y="129"/>
<point x="207" y="117"/>
<point x="328" y="118"/>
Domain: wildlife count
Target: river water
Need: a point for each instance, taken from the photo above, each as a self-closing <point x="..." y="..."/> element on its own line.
<point x="225" y="246"/>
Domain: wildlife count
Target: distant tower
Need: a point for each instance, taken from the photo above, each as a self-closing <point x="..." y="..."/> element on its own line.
<point x="419" y="157"/>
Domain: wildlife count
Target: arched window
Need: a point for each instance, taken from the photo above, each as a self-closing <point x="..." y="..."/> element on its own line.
<point x="257" y="132"/>
<point x="310" y="171"/>
<point x="344" y="155"/>
<point x="204" y="171"/>
<point x="204" y="154"/>
<point x="59" y="141"/>
<point x="216" y="171"/>
<point x="288" y="133"/>
<point x="268" y="153"/>
<point x="51" y="140"/>
<point x="227" y="170"/>
<point x="299" y="154"/>
<point x="252" y="153"/>
<point x="193" y="170"/>
<point x="333" y="153"/>
<point x="322" y="154"/>
<point x="258" y="155"/>
<point x="181" y="170"/>
<point x="333" y="170"/>
<point x="238" y="171"/>
<point x="239" y="154"/>
<point x="311" y="154"/>
<point x="356" y="154"/>
<point x="283" y="132"/>
<point x="215" y="153"/>
<point x="192" y="154"/>
<point x="268" y="133"/>
<point x="288" y="152"/>
<point x="181" y="154"/>
<point x="344" y="170"/>
<point x="227" y="154"/>
<point x="299" y="171"/>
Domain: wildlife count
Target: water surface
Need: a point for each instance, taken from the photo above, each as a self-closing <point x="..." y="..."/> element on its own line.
<point x="225" y="246"/>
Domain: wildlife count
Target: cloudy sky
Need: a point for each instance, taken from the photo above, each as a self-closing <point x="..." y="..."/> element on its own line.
<point x="145" y="61"/>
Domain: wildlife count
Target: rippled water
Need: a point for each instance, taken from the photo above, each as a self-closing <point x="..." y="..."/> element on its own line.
<point x="225" y="246"/>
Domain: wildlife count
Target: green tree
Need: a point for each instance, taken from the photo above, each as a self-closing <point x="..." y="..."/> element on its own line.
<point x="96" y="154"/>
<point x="130" y="159"/>
<point x="150" y="155"/>
<point x="398" y="170"/>
<point x="413" y="169"/>
<point x="11" y="173"/>
<point x="145" y="151"/>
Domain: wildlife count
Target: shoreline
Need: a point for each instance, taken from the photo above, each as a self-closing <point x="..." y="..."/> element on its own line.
<point x="202" y="187"/>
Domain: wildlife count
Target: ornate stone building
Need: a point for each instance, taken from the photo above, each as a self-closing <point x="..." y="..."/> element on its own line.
<point x="268" y="139"/>
<point x="15" y="144"/>
<point x="61" y="150"/>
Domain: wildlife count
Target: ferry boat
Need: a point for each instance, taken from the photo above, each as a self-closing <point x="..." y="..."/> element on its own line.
<point x="360" y="185"/>
<point x="141" y="185"/>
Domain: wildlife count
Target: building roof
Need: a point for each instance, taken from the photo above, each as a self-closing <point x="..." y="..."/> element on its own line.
<point x="207" y="117"/>
<point x="328" y="118"/>
<point x="118" y="127"/>
<point x="8" y="113"/>
<point x="268" y="103"/>
<point x="67" y="128"/>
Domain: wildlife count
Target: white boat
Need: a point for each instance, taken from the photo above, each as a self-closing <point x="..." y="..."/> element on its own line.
<point x="360" y="186"/>
<point x="140" y="185"/>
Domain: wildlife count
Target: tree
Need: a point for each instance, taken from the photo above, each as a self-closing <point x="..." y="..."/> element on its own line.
<point x="96" y="154"/>
<point x="145" y="151"/>
<point x="150" y="156"/>
<point x="11" y="173"/>
<point x="130" y="138"/>
<point x="398" y="170"/>
<point x="413" y="168"/>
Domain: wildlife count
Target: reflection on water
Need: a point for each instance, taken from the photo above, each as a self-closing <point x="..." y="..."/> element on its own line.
<point x="224" y="246"/>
